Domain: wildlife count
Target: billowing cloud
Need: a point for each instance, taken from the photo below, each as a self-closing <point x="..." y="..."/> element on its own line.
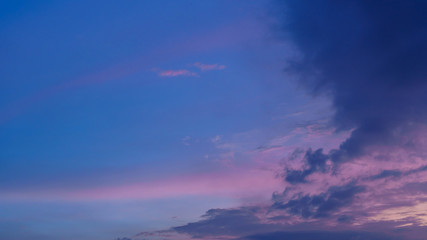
<point x="369" y="57"/>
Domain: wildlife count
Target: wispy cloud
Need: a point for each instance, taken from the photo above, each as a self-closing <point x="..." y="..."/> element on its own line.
<point x="209" y="67"/>
<point x="185" y="72"/>
<point x="231" y="184"/>
<point x="177" y="73"/>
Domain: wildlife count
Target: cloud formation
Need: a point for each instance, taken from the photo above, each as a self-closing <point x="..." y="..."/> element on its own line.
<point x="316" y="161"/>
<point x="227" y="222"/>
<point x="369" y="58"/>
<point x="321" y="205"/>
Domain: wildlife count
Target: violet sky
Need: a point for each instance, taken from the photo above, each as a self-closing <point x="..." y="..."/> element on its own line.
<point x="213" y="120"/>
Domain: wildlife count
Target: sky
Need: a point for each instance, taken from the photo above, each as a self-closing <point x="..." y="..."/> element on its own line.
<point x="213" y="120"/>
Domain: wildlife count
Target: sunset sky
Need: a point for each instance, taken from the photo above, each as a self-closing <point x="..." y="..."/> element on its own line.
<point x="213" y="120"/>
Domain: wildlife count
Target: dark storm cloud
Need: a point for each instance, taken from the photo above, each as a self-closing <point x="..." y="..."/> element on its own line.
<point x="370" y="57"/>
<point x="321" y="205"/>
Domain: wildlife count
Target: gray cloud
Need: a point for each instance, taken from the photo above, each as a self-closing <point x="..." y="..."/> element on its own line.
<point x="370" y="58"/>
<point x="321" y="205"/>
<point x="316" y="161"/>
<point x="231" y="222"/>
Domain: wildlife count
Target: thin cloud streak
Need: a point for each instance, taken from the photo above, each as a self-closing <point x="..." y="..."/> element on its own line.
<point x="177" y="73"/>
<point x="230" y="185"/>
<point x="209" y="67"/>
<point x="241" y="31"/>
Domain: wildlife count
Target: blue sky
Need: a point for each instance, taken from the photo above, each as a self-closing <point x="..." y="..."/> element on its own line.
<point x="212" y="119"/>
<point x="83" y="106"/>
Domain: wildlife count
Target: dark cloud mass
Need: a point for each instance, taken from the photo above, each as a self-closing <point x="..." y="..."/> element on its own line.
<point x="243" y="224"/>
<point x="227" y="222"/>
<point x="370" y="57"/>
<point x="316" y="161"/>
<point x="321" y="205"/>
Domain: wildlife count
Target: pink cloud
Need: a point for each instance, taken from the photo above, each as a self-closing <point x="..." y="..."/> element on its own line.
<point x="176" y="73"/>
<point x="209" y="67"/>
<point x="237" y="184"/>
